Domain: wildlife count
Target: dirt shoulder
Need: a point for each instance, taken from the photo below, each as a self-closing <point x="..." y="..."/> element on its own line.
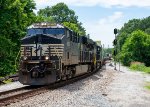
<point x="128" y="89"/>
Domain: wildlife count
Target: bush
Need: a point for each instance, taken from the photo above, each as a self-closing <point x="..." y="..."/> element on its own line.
<point x="136" y="48"/>
<point x="147" y="70"/>
<point x="147" y="85"/>
<point x="139" y="67"/>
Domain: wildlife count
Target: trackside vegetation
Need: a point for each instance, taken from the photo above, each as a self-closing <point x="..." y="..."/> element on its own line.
<point x="15" y="16"/>
<point x="138" y="66"/>
<point x="136" y="48"/>
<point x="148" y="87"/>
<point x="133" y="41"/>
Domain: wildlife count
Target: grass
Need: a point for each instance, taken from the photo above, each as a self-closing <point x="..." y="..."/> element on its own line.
<point x="138" y="66"/>
<point x="147" y="85"/>
<point x="147" y="70"/>
<point x="7" y="81"/>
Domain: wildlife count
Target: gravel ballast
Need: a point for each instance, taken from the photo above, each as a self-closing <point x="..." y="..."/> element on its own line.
<point x="88" y="92"/>
<point x="106" y="88"/>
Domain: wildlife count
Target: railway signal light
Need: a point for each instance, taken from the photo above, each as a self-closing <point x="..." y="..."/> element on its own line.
<point x="115" y="42"/>
<point x="115" y="31"/>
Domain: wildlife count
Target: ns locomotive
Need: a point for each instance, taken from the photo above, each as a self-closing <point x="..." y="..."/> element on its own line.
<point x="52" y="52"/>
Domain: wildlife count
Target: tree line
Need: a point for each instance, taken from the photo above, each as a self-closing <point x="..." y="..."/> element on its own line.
<point x="133" y="41"/>
<point x="16" y="16"/>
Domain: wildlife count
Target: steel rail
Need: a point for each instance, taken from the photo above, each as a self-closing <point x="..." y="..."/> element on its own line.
<point x="13" y="90"/>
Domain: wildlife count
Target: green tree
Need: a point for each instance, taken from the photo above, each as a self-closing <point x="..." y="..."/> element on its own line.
<point x="40" y="18"/>
<point x="127" y="29"/>
<point x="133" y="25"/>
<point x="74" y="27"/>
<point x="81" y="28"/>
<point x="61" y="13"/>
<point x="136" y="48"/>
<point x="147" y="31"/>
<point x="15" y="16"/>
<point x="6" y="56"/>
<point x="144" y="23"/>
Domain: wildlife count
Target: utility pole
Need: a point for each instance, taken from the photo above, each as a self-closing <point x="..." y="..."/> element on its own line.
<point x="119" y="55"/>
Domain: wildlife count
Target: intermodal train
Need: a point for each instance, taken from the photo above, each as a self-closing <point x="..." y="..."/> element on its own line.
<point x="52" y="52"/>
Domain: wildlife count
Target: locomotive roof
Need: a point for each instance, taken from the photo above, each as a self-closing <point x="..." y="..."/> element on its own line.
<point x="45" y="25"/>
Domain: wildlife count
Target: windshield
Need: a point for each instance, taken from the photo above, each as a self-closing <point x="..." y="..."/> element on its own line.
<point x="53" y="31"/>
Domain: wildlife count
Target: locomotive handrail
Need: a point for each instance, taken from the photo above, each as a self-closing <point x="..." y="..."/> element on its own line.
<point x="36" y="67"/>
<point x="31" y="69"/>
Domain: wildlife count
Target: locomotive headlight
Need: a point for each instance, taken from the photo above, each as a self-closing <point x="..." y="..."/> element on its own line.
<point x="46" y="58"/>
<point x="24" y="58"/>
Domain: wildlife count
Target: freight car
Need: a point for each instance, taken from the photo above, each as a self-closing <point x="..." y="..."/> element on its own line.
<point x="52" y="52"/>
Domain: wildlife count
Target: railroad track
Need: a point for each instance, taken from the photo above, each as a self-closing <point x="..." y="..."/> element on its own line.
<point x="18" y="94"/>
<point x="13" y="90"/>
<point x="8" y="97"/>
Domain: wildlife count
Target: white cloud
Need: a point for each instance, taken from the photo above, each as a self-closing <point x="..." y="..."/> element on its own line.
<point x="111" y="19"/>
<point x="103" y="29"/>
<point x="103" y="3"/>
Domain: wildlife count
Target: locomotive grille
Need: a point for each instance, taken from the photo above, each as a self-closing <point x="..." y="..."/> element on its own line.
<point x="55" y="50"/>
<point x="47" y="50"/>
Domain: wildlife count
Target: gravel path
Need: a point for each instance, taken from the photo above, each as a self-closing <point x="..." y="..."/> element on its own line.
<point x="128" y="89"/>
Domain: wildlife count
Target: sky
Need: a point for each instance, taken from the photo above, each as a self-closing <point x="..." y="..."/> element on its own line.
<point x="100" y="17"/>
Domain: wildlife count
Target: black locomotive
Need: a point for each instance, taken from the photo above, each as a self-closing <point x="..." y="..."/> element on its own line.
<point x="52" y="52"/>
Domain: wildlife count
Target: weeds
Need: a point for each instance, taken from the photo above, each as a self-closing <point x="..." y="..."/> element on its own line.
<point x="7" y="81"/>
<point x="147" y="86"/>
<point x="138" y="66"/>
